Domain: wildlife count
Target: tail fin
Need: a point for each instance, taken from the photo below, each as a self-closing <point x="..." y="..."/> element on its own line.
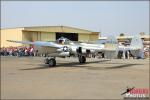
<point x="111" y="44"/>
<point x="136" y="42"/>
<point x="137" y="47"/>
<point x="111" y="47"/>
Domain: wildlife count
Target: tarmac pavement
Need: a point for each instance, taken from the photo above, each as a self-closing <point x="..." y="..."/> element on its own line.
<point x="30" y="78"/>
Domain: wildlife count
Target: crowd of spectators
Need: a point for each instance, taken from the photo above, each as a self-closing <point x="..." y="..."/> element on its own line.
<point x="30" y="51"/>
<point x="17" y="51"/>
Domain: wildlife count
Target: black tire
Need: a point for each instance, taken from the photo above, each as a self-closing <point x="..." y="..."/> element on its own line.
<point x="46" y="61"/>
<point x="52" y="62"/>
<point x="82" y="59"/>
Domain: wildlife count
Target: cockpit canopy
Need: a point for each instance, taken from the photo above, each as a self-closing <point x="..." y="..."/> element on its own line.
<point x="63" y="40"/>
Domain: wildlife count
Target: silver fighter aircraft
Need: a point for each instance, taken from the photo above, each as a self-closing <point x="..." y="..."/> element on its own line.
<point x="63" y="47"/>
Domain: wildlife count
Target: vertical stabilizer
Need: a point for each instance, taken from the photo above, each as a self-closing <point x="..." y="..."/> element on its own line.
<point x="111" y="44"/>
<point x="136" y="42"/>
<point x="111" y="47"/>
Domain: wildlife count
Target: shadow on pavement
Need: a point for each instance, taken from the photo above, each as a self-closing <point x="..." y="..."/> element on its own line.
<point x="78" y="65"/>
<point x="69" y="64"/>
<point x="113" y="67"/>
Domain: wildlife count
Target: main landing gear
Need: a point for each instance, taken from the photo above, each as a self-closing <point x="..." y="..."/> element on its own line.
<point x="82" y="59"/>
<point x="50" y="61"/>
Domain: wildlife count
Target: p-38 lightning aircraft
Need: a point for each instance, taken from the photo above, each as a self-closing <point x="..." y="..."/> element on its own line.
<point x="63" y="47"/>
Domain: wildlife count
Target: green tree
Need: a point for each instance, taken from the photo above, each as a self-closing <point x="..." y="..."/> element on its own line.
<point x="122" y="34"/>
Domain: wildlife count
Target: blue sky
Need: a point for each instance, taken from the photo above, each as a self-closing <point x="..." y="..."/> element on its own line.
<point x="108" y="17"/>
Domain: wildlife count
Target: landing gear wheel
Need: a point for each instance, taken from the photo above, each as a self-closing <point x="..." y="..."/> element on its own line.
<point x="52" y="62"/>
<point x="46" y="61"/>
<point x="82" y="59"/>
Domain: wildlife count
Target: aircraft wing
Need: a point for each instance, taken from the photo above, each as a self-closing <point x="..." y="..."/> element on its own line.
<point x="23" y="42"/>
<point x="38" y="43"/>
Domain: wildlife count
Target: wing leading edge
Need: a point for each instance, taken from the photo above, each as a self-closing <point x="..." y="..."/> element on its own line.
<point x="38" y="43"/>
